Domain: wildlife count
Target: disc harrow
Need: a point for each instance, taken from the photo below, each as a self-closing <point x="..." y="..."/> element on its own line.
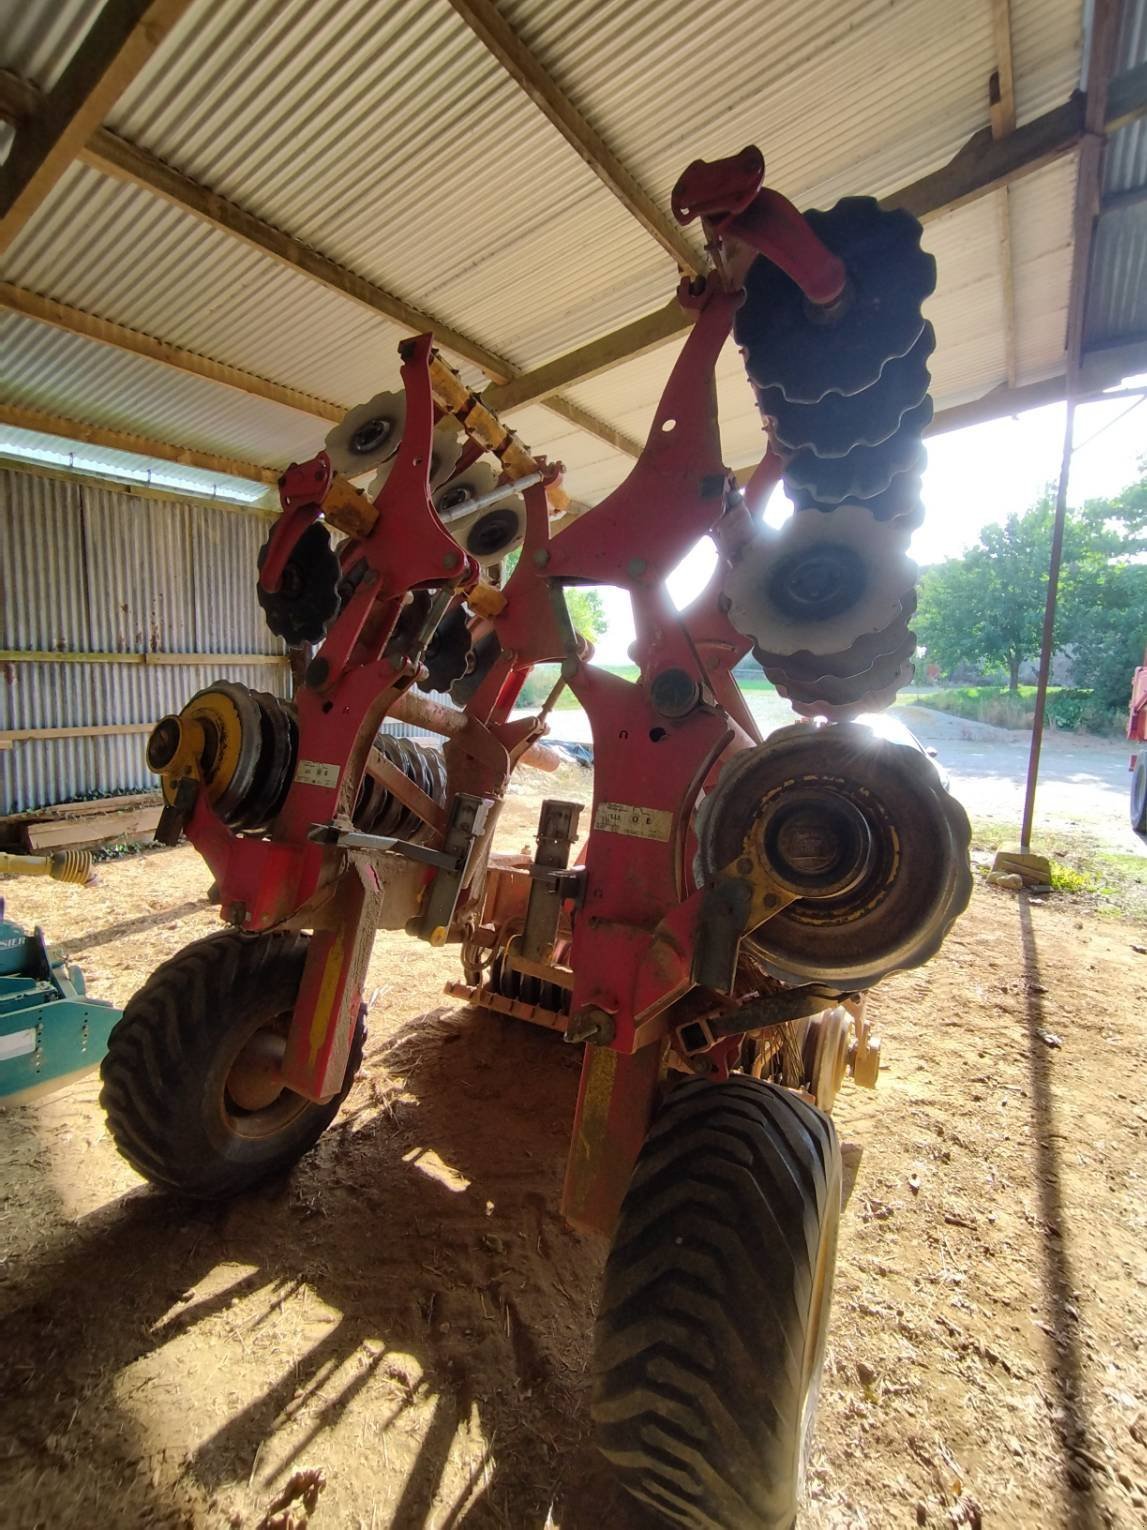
<point x="722" y="907"/>
<point x="843" y="391"/>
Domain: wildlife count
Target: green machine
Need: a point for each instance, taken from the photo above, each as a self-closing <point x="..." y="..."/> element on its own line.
<point x="51" y="1033"/>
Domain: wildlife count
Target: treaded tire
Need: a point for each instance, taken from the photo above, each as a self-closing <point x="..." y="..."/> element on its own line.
<point x="169" y="1057"/>
<point x="710" y="1336"/>
<point x="1139" y="794"/>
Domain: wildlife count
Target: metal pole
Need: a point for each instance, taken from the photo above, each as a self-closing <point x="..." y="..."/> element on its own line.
<point x="1046" y="643"/>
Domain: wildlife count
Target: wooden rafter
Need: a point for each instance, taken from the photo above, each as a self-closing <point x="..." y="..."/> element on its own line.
<point x="127" y="441"/>
<point x="495" y="33"/>
<point x="119" y="42"/>
<point x="1002" y="100"/>
<point x="74" y="321"/>
<point x="982" y="166"/>
<point x="112" y="155"/>
<point x="1002" y="108"/>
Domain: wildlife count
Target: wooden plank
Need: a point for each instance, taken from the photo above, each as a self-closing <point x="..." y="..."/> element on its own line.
<point x="19" y="99"/>
<point x="74" y="321"/>
<point x="490" y="27"/>
<point x="986" y="163"/>
<point x="582" y="419"/>
<point x="10" y="736"/>
<point x="1002" y="103"/>
<point x="125" y="161"/>
<point x="982" y="166"/>
<point x="1008" y="281"/>
<point x="39" y="420"/>
<point x="1002" y="111"/>
<point x="128" y="823"/>
<point x="148" y="660"/>
<point x="588" y="361"/>
<point x="117" y="45"/>
<point x="83" y="809"/>
<point x="117" y="157"/>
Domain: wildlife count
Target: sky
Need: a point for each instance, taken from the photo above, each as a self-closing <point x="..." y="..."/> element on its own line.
<point x="974" y="477"/>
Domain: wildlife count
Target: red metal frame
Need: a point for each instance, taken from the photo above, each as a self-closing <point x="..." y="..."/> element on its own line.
<point x="634" y="934"/>
<point x="1137" y="713"/>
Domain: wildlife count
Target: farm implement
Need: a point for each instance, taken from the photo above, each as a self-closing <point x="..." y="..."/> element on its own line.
<point x="711" y="944"/>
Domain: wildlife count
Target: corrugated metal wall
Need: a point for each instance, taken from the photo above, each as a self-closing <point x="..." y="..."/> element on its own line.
<point x="88" y="569"/>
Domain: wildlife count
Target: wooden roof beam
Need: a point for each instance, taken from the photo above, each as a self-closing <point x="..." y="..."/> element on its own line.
<point x="47" y="424"/>
<point x="74" y="321"/>
<point x="495" y="33"/>
<point x="982" y="166"/>
<point x="117" y="157"/>
<point x="1002" y="111"/>
<point x="1002" y="90"/>
<point x="119" y="42"/>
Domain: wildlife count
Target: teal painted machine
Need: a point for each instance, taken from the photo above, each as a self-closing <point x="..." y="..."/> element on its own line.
<point x="51" y="1033"/>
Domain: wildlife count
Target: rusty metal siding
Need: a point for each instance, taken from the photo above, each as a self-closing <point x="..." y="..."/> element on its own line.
<point x="88" y="569"/>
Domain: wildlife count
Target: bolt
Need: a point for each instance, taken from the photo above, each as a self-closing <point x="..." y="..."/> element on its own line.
<point x="745" y="866"/>
<point x="541" y="556"/>
<point x="590" y="1024"/>
<point x="674" y="693"/>
<point x="636" y="567"/>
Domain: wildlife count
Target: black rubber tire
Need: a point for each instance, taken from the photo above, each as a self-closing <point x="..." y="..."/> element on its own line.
<point x="1139" y="794"/>
<point x="168" y="1059"/>
<point x="719" y="1278"/>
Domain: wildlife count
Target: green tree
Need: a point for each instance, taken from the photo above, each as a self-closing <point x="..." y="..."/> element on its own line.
<point x="986" y="608"/>
<point x="587" y="611"/>
<point x="1103" y="593"/>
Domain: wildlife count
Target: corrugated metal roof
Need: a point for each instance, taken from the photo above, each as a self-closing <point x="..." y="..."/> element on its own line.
<point x="1117" y="279"/>
<point x="843" y="96"/>
<point x="46" y="368"/>
<point x="199" y="288"/>
<point x="37" y="40"/>
<point x="967" y="311"/>
<point x="391" y="140"/>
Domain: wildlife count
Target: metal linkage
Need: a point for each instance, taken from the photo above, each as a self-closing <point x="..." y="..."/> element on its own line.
<point x="701" y="850"/>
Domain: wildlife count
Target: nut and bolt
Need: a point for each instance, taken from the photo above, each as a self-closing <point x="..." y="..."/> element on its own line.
<point x="591" y="1024"/>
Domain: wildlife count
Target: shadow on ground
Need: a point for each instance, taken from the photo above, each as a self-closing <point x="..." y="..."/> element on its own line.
<point x="471" y="1273"/>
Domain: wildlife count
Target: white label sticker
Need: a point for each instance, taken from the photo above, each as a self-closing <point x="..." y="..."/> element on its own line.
<point x="18" y="1044"/>
<point x="316" y="773"/>
<point x="641" y="823"/>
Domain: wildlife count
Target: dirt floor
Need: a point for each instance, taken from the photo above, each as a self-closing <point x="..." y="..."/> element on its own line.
<point x="407" y="1316"/>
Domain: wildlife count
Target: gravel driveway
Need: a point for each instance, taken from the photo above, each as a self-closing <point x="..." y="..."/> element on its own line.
<point x="1084" y="782"/>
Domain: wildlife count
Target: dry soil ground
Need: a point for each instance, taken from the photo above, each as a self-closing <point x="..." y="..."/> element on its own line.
<point x="407" y="1315"/>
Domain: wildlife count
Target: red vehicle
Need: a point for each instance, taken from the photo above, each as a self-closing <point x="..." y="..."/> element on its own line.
<point x="1137" y="733"/>
<point x="737" y="896"/>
